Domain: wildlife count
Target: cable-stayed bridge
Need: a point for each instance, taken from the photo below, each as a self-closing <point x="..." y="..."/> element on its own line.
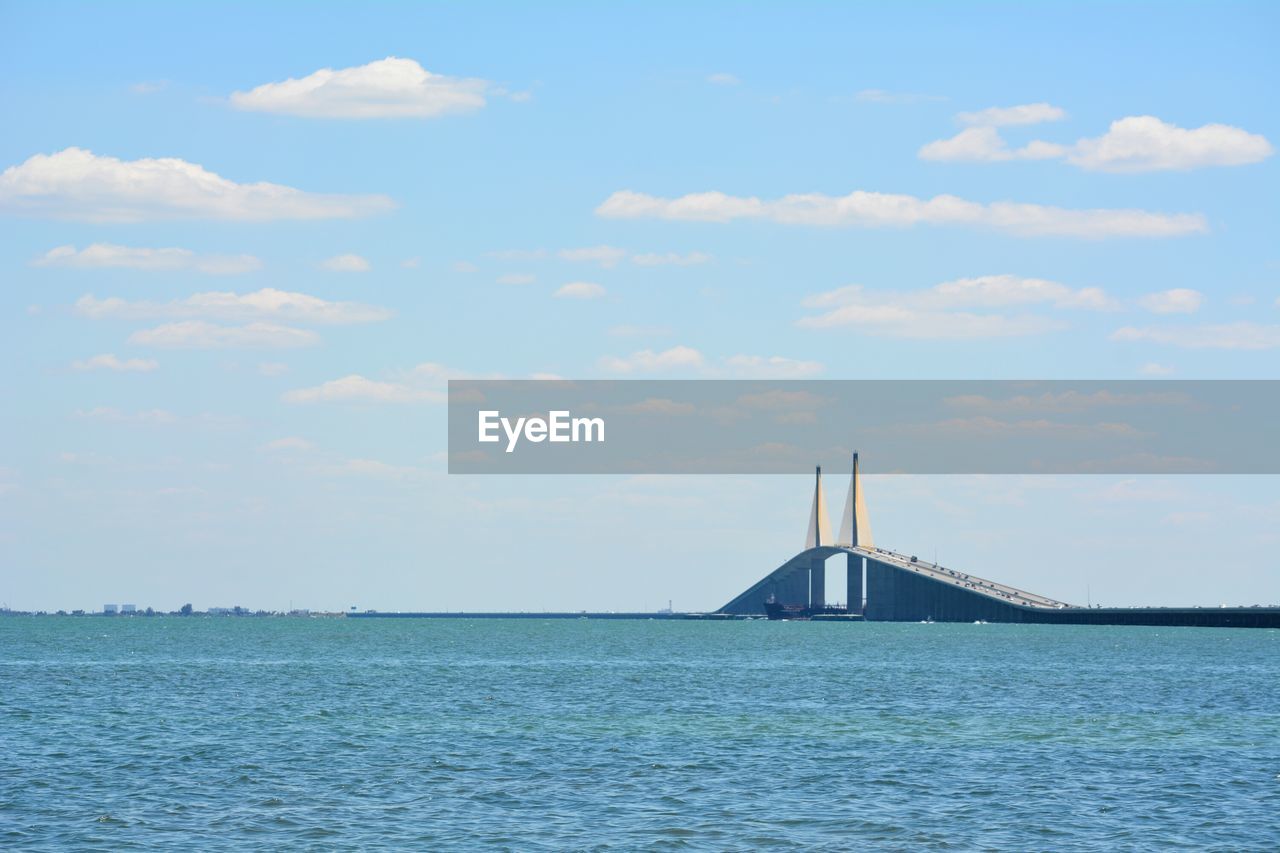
<point x="884" y="585"/>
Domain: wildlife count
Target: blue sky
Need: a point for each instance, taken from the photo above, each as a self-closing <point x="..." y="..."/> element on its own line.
<point x="991" y="191"/>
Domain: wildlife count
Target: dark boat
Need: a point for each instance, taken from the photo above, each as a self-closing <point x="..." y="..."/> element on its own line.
<point x="775" y="609"/>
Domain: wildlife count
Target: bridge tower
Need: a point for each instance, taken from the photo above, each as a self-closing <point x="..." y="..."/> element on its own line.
<point x="819" y="536"/>
<point x="855" y="532"/>
<point x="819" y="521"/>
<point x="855" y="526"/>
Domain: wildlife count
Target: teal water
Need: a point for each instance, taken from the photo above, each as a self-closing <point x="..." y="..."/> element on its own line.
<point x="222" y="733"/>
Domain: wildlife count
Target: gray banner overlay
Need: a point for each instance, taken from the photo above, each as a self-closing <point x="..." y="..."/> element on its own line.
<point x="898" y="426"/>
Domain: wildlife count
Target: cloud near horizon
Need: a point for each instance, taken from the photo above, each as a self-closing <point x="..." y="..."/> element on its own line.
<point x="580" y="290"/>
<point x="346" y="263"/>
<point x="265" y="304"/>
<point x="605" y="256"/>
<point x="1179" y="300"/>
<point x="862" y="209"/>
<point x="108" y="361"/>
<point x="674" y="259"/>
<point x="963" y="309"/>
<point x="111" y="256"/>
<point x="1242" y="335"/>
<point x="425" y="383"/>
<point x="76" y="184"/>
<point x="359" y="389"/>
<point x="682" y="358"/>
<point x="387" y="88"/>
<point x="198" y="334"/>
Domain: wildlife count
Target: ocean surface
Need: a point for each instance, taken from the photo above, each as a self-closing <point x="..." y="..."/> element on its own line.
<point x="226" y="733"/>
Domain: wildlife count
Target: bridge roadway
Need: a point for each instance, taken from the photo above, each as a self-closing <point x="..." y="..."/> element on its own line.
<point x="964" y="580"/>
<point x="803" y="561"/>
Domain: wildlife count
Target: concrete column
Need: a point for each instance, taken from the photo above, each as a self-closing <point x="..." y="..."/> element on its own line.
<point x="854" y="583"/>
<point x="817" y="583"/>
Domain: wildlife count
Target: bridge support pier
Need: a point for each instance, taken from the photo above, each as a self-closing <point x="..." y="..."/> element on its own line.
<point x="854" y="583"/>
<point x="817" y="582"/>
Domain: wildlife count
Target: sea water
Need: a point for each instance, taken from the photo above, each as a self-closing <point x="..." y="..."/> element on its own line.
<point x="229" y="733"/>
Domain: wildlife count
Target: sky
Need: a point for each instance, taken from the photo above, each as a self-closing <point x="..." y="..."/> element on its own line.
<point x="244" y="246"/>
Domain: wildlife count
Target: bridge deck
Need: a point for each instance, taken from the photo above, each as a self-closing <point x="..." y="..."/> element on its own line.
<point x="973" y="583"/>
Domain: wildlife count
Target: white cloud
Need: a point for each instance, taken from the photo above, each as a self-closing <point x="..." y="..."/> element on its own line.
<point x="648" y="361"/>
<point x="358" y="389"/>
<point x="985" y="145"/>
<point x="518" y="254"/>
<point x="464" y="267"/>
<point x="1068" y="401"/>
<point x="689" y="360"/>
<point x="411" y="263"/>
<point x="1153" y="368"/>
<point x="659" y="406"/>
<point x="1133" y="144"/>
<point x="653" y="259"/>
<point x="1180" y="300"/>
<point x="107" y="414"/>
<point x="273" y="368"/>
<point x="1021" y="114"/>
<point x="517" y="278"/>
<point x="80" y="185"/>
<point x="346" y="263"/>
<point x="424" y="383"/>
<point x="149" y="87"/>
<point x="580" y="290"/>
<point x="265" y="304"/>
<point x="772" y="367"/>
<point x="375" y="468"/>
<point x="995" y="291"/>
<point x="1243" y="335"/>
<point x="883" y="96"/>
<point x="519" y="97"/>
<point x="723" y="78"/>
<point x="108" y="255"/>
<point x="898" y="322"/>
<point x="387" y="88"/>
<point x="993" y="427"/>
<point x="605" y="256"/>
<point x="1147" y="144"/>
<point x="940" y="312"/>
<point x="874" y="209"/>
<point x="290" y="443"/>
<point x="107" y="361"/>
<point x="197" y="334"/>
<point x="1142" y="491"/>
<point x="438" y="374"/>
<point x="640" y="331"/>
<point x="779" y="400"/>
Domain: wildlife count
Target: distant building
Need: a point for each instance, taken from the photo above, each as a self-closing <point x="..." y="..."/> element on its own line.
<point x="110" y="610"/>
<point x="128" y="608"/>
